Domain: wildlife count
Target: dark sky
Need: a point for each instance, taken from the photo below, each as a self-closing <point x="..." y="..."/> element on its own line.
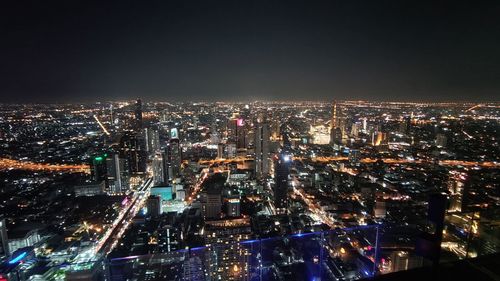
<point x="66" y="51"/>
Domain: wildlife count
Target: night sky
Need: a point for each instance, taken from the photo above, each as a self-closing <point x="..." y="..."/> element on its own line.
<point x="83" y="51"/>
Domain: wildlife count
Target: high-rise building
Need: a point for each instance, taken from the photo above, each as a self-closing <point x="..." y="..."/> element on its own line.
<point x="211" y="207"/>
<point x="157" y="167"/>
<point x="455" y="187"/>
<point x="138" y="115"/>
<point x="4" y="240"/>
<point x="282" y="170"/>
<point x="154" y="206"/>
<point x="133" y="151"/>
<point x="262" y="150"/>
<point x="233" y="207"/>
<point x="151" y="140"/>
<point x="173" y="159"/>
<point x="99" y="170"/>
<point x="116" y="177"/>
<point x="336" y="132"/>
<point x="237" y="132"/>
<point x="230" y="260"/>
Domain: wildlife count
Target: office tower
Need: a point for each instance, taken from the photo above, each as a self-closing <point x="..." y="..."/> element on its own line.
<point x="282" y="170"/>
<point x="115" y="167"/>
<point x="336" y="132"/>
<point x="455" y="187"/>
<point x="230" y="259"/>
<point x="173" y="155"/>
<point x="233" y="207"/>
<point x="151" y="140"/>
<point x="132" y="150"/>
<point x="4" y="240"/>
<point x="157" y="167"/>
<point x="262" y="149"/>
<point x="138" y="115"/>
<point x="154" y="206"/>
<point x="99" y="168"/>
<point x="212" y="205"/>
<point x="237" y="131"/>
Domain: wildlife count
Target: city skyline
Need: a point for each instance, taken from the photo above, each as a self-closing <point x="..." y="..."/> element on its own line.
<point x="261" y="140"/>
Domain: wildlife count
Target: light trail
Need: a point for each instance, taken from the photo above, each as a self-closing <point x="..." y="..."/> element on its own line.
<point x="10" y="164"/>
<point x="312" y="206"/>
<point x="121" y="223"/>
<point x="102" y="126"/>
<point x="324" y="159"/>
<point x="197" y="186"/>
<point x="474" y="107"/>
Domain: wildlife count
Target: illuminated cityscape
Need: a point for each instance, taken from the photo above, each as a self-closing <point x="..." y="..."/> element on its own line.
<point x="260" y="140"/>
<point x="139" y="190"/>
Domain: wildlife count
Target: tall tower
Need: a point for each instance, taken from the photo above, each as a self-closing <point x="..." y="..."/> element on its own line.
<point x="173" y="155"/>
<point x="115" y="168"/>
<point x="282" y="170"/>
<point x="261" y="149"/>
<point x="138" y="115"/>
<point x="335" y="130"/>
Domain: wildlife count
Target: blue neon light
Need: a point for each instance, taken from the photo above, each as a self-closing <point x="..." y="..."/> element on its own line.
<point x="18" y="258"/>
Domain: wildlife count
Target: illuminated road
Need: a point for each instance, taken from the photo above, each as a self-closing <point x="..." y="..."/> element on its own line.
<point x="365" y="161"/>
<point x="9" y="164"/>
<point x="121" y="223"/>
<point x="322" y="215"/>
<point x="197" y="186"/>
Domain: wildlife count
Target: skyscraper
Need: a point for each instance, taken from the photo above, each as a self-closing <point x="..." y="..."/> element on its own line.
<point x="262" y="149"/>
<point x="282" y="170"/>
<point x="151" y="140"/>
<point x="153" y="205"/>
<point x="336" y="132"/>
<point x="233" y="207"/>
<point x="173" y="153"/>
<point x="211" y="207"/>
<point x="99" y="168"/>
<point x="157" y="166"/>
<point x="132" y="150"/>
<point x="237" y="131"/>
<point x="115" y="167"/>
<point x="138" y="115"/>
